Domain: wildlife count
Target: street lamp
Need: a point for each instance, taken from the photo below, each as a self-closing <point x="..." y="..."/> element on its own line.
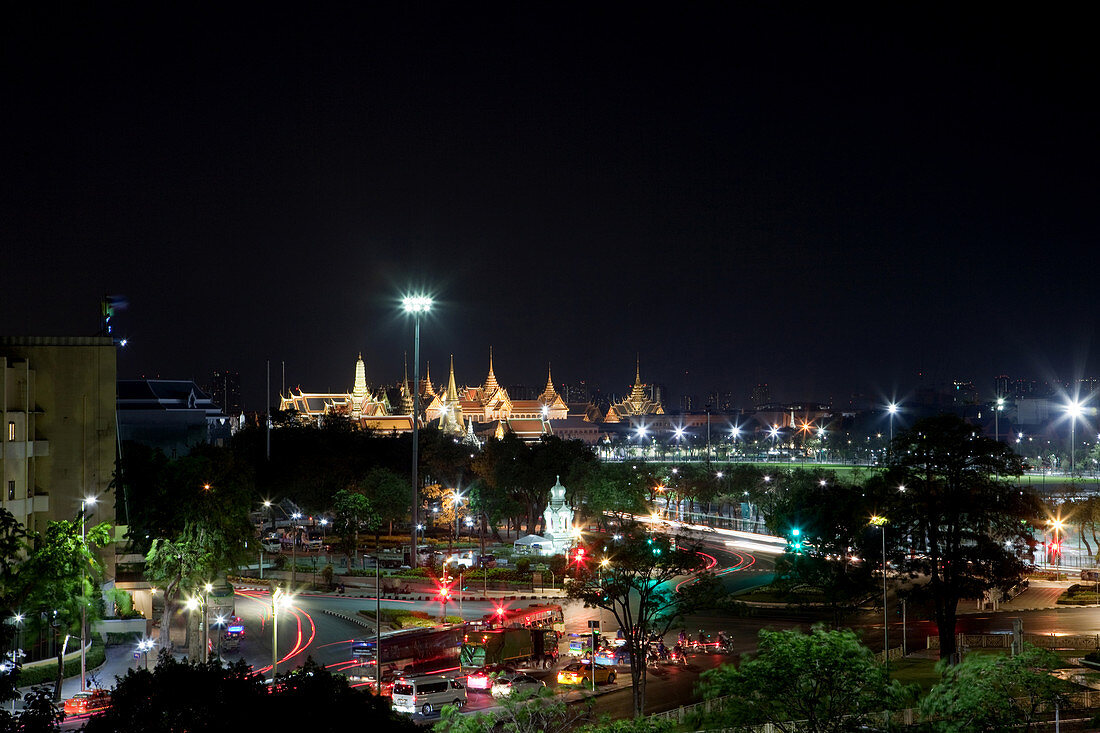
<point x="1073" y="409"/>
<point x="892" y="409"/>
<point x="997" y="418"/>
<point x="144" y="646"/>
<point x="202" y="602"/>
<point x="279" y="599"/>
<point x="89" y="501"/>
<point x="880" y="522"/>
<point x="294" y="550"/>
<point x="415" y="304"/>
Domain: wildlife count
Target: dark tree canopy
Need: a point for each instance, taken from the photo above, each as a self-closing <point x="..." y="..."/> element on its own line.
<point x="958" y="521"/>
<point x="197" y="697"/>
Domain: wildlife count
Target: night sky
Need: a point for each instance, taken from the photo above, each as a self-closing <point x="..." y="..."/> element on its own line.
<point x="831" y="204"/>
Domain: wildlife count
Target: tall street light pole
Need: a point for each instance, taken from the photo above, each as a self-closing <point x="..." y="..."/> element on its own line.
<point x="1074" y="409"/>
<point x="416" y="304"/>
<point x="90" y="501"/>
<point x="880" y="522"/>
<point x="997" y="418"/>
<point x="278" y="599"/>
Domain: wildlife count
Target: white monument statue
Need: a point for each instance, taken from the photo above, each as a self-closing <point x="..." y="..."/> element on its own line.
<point x="558" y="519"/>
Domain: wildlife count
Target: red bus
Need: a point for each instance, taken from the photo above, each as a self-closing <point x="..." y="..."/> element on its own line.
<point x="534" y="616"/>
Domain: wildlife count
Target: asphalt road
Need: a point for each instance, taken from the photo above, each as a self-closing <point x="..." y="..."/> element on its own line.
<point x="305" y="630"/>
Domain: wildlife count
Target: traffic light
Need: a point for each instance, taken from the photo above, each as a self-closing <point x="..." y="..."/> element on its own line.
<point x="796" y="541"/>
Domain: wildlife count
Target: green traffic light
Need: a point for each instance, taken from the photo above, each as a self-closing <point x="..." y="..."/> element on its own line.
<point x="795" y="532"/>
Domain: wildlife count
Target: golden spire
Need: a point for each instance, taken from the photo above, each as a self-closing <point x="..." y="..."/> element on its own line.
<point x="428" y="388"/>
<point x="452" y="391"/>
<point x="406" y="393"/>
<point x="491" y="384"/>
<point x="549" y="393"/>
<point x="637" y="393"/>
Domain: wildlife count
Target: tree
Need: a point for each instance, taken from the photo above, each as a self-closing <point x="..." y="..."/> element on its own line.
<point x="350" y="510"/>
<point x="12" y="544"/>
<point x="58" y="580"/>
<point x="173" y="566"/>
<point x="635" y="585"/>
<point x="966" y="528"/>
<point x="994" y="692"/>
<point x="205" y="697"/>
<point x="827" y="517"/>
<point x="389" y="494"/>
<point x="545" y="713"/>
<point x="821" y="682"/>
<point x="39" y="715"/>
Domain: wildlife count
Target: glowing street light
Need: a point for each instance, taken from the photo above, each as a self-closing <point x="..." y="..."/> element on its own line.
<point x="1073" y="409"/>
<point x="892" y="409"/>
<point x="416" y="305"/>
<point x="880" y="522"/>
<point x="87" y="502"/>
<point x="997" y="418"/>
<point x="279" y="599"/>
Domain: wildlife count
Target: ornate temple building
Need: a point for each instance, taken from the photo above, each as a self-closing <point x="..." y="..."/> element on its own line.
<point x="488" y="410"/>
<point x="370" y="410"/>
<point x="637" y="404"/>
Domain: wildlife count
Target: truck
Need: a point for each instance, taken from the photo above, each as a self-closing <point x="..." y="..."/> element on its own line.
<point x="513" y="646"/>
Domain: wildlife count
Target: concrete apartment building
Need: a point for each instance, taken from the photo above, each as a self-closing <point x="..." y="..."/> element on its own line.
<point x="59" y="436"/>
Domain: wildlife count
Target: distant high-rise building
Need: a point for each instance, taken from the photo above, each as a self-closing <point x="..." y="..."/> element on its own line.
<point x="688" y="403"/>
<point x="577" y="392"/>
<point x="761" y="395"/>
<point x="1000" y="386"/>
<point x="224" y="389"/>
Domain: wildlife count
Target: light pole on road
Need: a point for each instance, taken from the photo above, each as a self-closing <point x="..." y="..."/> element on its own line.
<point x="415" y="304"/>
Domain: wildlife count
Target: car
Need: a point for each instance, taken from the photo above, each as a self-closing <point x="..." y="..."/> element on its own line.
<point x="608" y="656"/>
<point x="482" y="678"/>
<point x="91" y="701"/>
<point x="516" y="684"/>
<point x="426" y="695"/>
<point x="487" y="561"/>
<point x="578" y="673"/>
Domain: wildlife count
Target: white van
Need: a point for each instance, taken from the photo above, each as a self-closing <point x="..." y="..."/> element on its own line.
<point x="426" y="695"/>
<point x="463" y="560"/>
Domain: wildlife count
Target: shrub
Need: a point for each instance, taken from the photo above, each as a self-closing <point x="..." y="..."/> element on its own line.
<point x="523" y="565"/>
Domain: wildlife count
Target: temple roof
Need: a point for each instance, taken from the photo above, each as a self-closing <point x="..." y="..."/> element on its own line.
<point x="491" y="384"/>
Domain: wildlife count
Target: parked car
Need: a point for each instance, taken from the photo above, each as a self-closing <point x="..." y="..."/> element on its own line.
<point x="516" y="684"/>
<point x="580" y="673"/>
<point x="487" y="561"/>
<point x="91" y="701"/>
<point x="425" y="695"/>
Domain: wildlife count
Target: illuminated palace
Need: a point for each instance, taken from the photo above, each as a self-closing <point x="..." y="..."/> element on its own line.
<point x="490" y="407"/>
<point x="371" y="410"/>
<point x="473" y="412"/>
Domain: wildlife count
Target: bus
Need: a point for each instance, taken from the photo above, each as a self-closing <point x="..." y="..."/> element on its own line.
<point x="549" y="616"/>
<point x="409" y="651"/>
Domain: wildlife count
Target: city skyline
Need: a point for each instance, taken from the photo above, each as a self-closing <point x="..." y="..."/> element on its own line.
<point x="829" y="203"/>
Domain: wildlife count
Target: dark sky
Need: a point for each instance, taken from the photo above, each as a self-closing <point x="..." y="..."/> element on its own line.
<point x="830" y="204"/>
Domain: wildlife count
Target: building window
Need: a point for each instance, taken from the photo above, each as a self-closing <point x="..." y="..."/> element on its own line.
<point x="11" y="431"/>
<point x="11" y="490"/>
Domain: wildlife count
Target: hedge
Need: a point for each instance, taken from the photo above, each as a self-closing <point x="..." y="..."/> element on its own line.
<point x="47" y="673"/>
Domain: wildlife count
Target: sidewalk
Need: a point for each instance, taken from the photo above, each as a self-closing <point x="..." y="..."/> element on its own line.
<point x="1040" y="595"/>
<point x="120" y="657"/>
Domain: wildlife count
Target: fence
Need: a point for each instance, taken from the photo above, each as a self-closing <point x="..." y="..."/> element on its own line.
<point x="1004" y="641"/>
<point x="1085" y="700"/>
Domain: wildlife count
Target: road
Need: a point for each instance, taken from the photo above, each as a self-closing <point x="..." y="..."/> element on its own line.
<point x="306" y="630"/>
